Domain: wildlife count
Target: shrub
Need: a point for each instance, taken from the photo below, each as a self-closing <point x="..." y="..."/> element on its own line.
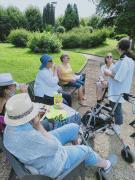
<point x="19" y="37"/>
<point x="83" y="39"/>
<point x="44" y="43"/>
<point x="120" y="36"/>
<point x="60" y="29"/>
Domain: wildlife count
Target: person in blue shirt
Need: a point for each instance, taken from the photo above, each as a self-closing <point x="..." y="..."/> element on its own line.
<point x="120" y="80"/>
<point x="44" y="151"/>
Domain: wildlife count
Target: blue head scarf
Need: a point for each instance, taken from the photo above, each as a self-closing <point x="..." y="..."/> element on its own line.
<point x="44" y="60"/>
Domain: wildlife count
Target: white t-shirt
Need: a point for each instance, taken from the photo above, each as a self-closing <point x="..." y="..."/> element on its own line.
<point x="123" y="72"/>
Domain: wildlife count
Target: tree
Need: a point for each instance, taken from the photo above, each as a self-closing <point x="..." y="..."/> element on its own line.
<point x="4" y="25"/>
<point x="33" y="19"/>
<point x="49" y="15"/>
<point x="76" y="18"/>
<point x="94" y="21"/>
<point x="59" y="21"/>
<point x="17" y="18"/>
<point x="10" y="18"/>
<point x="123" y="11"/>
<point x="71" y="17"/>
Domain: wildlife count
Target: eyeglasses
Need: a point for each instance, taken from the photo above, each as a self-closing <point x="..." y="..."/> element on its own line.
<point x="50" y="61"/>
<point x="108" y="56"/>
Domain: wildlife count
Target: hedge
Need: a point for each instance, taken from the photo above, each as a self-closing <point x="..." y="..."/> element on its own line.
<point x="44" y="43"/>
<point x="83" y="39"/>
<point x="18" y="37"/>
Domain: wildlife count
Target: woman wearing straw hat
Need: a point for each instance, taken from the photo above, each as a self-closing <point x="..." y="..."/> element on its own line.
<point x="26" y="139"/>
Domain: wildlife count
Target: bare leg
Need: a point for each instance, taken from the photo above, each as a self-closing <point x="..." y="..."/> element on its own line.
<point x="80" y="93"/>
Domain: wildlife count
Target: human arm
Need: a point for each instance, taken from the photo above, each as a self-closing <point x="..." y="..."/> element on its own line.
<point x="121" y="73"/>
<point x="101" y="73"/>
<point x="38" y="126"/>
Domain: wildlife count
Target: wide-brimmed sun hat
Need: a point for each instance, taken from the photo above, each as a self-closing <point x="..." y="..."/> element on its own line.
<point x="6" y="79"/>
<point x="20" y="110"/>
<point x="44" y="60"/>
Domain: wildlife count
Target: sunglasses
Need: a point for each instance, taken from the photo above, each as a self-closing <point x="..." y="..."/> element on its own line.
<point x="50" y="61"/>
<point x="108" y="56"/>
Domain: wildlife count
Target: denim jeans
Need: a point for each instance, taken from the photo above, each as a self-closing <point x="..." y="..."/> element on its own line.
<point x="76" y="118"/>
<point x="75" y="153"/>
<point x="118" y="114"/>
<point x="78" y="83"/>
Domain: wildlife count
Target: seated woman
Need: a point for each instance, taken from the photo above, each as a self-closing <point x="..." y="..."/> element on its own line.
<point x="27" y="140"/>
<point x="68" y="78"/>
<point x="46" y="83"/>
<point x="102" y="83"/>
<point x="7" y="89"/>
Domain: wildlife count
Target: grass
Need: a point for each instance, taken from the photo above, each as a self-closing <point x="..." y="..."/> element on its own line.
<point x="108" y="46"/>
<point x="23" y="64"/>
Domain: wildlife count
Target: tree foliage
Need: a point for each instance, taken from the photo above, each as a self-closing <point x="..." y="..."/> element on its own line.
<point x="33" y="19"/>
<point x="49" y="15"/>
<point x="122" y="11"/>
<point x="10" y="18"/>
<point x="17" y="18"/>
<point x="71" y="17"/>
<point x="94" y="21"/>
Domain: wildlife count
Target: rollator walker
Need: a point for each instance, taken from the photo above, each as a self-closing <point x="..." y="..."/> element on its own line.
<point x="101" y="117"/>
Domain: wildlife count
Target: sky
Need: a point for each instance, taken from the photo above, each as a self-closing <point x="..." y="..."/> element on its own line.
<point x="85" y="7"/>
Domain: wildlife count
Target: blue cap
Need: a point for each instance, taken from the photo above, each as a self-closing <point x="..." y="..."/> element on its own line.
<point x="44" y="60"/>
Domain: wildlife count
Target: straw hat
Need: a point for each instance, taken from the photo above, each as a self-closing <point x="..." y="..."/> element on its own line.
<point x="20" y="110"/>
<point x="6" y="79"/>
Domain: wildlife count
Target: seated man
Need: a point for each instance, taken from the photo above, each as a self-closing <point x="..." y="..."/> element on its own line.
<point x="26" y="139"/>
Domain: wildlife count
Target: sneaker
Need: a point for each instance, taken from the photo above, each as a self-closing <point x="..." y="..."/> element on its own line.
<point x="103" y="171"/>
<point x="112" y="161"/>
<point x="107" y="170"/>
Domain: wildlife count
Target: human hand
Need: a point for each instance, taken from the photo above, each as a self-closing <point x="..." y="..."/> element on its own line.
<point x="107" y="73"/>
<point x="73" y="80"/>
<point x="36" y="122"/>
<point x="104" y="83"/>
<point x="23" y="88"/>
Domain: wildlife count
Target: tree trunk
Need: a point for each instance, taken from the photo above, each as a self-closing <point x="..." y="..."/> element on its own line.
<point x="133" y="44"/>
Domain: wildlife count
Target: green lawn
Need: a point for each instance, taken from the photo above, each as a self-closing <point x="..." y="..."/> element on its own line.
<point x="108" y="46"/>
<point x="24" y="65"/>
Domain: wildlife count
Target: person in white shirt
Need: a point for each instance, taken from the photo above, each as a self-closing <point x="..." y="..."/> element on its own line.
<point x="46" y="83"/>
<point x="102" y="82"/>
<point x="120" y="80"/>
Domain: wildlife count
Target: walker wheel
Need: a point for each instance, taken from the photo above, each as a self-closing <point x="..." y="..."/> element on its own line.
<point x="127" y="155"/>
<point x="100" y="175"/>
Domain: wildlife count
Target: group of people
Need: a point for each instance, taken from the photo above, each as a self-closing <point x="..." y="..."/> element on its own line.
<point x="50" y="77"/>
<point x="29" y="141"/>
<point x="117" y="78"/>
